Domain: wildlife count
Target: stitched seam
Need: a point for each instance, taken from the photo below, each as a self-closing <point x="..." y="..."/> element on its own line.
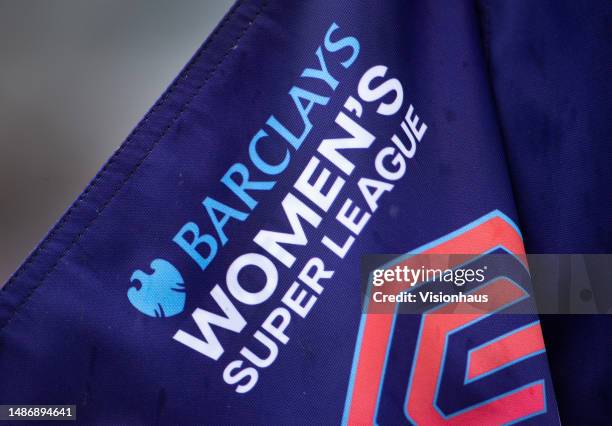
<point x="96" y="180"/>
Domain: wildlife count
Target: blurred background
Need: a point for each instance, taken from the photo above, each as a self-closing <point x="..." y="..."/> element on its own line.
<point x="75" y="77"/>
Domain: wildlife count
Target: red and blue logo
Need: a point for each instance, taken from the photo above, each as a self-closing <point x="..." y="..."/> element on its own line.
<point x="456" y="364"/>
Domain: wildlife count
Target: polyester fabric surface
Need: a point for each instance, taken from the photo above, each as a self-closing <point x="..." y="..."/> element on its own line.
<point x="178" y="288"/>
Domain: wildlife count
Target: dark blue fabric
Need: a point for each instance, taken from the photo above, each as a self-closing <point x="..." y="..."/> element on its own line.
<point x="517" y="103"/>
<point x="549" y="64"/>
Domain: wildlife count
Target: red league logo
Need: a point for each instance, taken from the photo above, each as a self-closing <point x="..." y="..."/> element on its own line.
<point x="492" y="231"/>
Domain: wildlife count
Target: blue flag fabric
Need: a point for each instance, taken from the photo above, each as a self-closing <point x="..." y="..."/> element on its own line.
<point x="210" y="271"/>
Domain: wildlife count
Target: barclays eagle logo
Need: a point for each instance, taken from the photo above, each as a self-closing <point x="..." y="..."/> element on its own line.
<point x="160" y="294"/>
